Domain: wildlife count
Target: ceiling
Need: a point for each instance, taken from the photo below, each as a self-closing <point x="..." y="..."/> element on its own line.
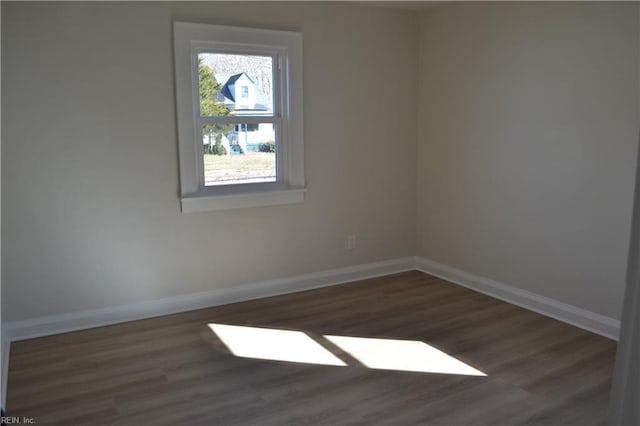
<point x="416" y="5"/>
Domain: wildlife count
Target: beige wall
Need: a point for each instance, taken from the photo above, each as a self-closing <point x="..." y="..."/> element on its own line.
<point x="528" y="130"/>
<point x="524" y="126"/>
<point x="90" y="212"/>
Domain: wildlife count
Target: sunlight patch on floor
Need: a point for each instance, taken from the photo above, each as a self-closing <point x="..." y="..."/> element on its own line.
<point x="273" y="344"/>
<point x="402" y="355"/>
<point x="375" y="353"/>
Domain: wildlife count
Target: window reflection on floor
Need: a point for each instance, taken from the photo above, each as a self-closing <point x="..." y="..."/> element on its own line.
<point x="375" y="353"/>
<point x="402" y="355"/>
<point x="273" y="344"/>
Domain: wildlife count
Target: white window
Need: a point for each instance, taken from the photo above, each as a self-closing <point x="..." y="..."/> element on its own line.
<point x="239" y="105"/>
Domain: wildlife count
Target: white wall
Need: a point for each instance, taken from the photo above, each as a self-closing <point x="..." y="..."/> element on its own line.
<point x="527" y="139"/>
<point x="525" y="118"/>
<point x="90" y="212"/>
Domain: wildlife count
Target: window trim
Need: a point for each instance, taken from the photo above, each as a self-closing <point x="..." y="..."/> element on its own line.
<point x="286" y="48"/>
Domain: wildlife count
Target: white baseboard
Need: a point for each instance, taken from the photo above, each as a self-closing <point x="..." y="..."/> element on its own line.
<point x="596" y="323"/>
<point x="56" y="324"/>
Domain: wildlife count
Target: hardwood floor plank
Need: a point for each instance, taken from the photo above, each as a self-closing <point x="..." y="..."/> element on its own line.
<point x="175" y="370"/>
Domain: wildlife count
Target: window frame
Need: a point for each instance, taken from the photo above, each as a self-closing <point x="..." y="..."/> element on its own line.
<point x="285" y="47"/>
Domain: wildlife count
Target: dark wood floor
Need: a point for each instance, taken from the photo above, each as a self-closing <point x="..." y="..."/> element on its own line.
<point x="173" y="370"/>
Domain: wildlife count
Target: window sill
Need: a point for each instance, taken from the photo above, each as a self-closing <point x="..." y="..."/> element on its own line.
<point x="208" y="203"/>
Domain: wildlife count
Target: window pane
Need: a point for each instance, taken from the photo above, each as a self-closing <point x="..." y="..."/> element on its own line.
<point x="235" y="85"/>
<point x="239" y="153"/>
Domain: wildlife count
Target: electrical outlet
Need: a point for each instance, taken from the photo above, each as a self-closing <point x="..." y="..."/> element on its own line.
<point x="351" y="242"/>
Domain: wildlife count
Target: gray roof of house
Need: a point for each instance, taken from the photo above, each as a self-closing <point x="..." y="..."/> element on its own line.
<point x="228" y="90"/>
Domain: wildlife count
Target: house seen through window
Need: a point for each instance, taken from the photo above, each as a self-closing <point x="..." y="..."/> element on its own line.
<point x="239" y="107"/>
<point x="240" y="87"/>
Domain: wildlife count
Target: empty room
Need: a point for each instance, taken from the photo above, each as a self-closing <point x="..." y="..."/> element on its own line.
<point x="320" y="213"/>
